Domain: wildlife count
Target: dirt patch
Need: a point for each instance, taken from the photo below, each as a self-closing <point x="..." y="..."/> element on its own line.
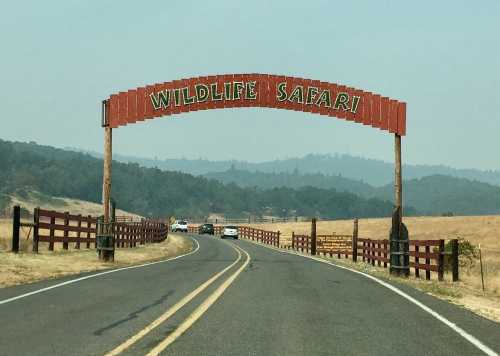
<point x="27" y="267"/>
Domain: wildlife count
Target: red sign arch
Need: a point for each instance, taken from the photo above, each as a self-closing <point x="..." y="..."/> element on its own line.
<point x="255" y="90"/>
<point x="262" y="90"/>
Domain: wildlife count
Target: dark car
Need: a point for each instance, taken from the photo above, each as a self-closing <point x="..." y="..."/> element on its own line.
<point x="206" y="229"/>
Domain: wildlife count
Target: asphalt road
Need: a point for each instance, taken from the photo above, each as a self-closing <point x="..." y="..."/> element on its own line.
<point x="259" y="302"/>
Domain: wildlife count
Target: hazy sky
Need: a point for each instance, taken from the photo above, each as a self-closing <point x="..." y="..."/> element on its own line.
<point x="59" y="59"/>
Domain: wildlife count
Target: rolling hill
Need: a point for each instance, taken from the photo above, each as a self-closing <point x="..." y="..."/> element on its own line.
<point x="431" y="195"/>
<point x="374" y="172"/>
<point x="30" y="167"/>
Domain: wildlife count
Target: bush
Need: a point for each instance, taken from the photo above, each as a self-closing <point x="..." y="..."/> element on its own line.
<point x="467" y="254"/>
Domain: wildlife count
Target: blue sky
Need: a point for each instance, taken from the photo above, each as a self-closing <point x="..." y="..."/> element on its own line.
<point x="59" y="59"/>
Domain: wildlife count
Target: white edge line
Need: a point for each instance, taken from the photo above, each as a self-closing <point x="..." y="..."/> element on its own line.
<point x="5" y="301"/>
<point x="474" y="341"/>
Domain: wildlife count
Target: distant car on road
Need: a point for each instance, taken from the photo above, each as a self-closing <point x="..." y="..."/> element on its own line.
<point x="230" y="231"/>
<point x="206" y="229"/>
<point x="179" y="225"/>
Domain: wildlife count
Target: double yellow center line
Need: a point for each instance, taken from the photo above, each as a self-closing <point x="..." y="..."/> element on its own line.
<point x="194" y="316"/>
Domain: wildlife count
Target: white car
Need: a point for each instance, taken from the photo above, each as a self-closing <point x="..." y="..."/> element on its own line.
<point x="230" y="231"/>
<point x="179" y="225"/>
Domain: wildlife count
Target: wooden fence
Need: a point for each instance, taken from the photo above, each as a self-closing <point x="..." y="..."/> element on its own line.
<point x="55" y="227"/>
<point x="259" y="235"/>
<point x="340" y="245"/>
<point x="425" y="255"/>
<point x="194" y="229"/>
<point x="428" y="255"/>
<point x="246" y="232"/>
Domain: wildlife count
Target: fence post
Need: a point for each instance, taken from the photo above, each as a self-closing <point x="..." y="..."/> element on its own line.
<point x="427" y="262"/>
<point x="355" y="241"/>
<point x="65" y="234"/>
<point x="78" y="234"/>
<point x="417" y="251"/>
<point x="293" y="240"/>
<point x="89" y="225"/>
<point x="278" y="241"/>
<point x="36" y="218"/>
<point x="52" y="233"/>
<point x="313" y="236"/>
<point x="441" y="260"/>
<point x="454" y="259"/>
<point x="16" y="225"/>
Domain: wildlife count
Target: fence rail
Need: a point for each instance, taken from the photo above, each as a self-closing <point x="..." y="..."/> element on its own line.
<point x="425" y="255"/>
<point x="246" y="232"/>
<point x="377" y="252"/>
<point x="259" y="235"/>
<point x="56" y="227"/>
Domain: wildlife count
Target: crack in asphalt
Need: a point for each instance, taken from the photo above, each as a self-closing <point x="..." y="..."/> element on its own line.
<point x="133" y="314"/>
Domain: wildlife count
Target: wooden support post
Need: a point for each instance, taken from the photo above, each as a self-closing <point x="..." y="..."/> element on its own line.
<point x="36" y="238"/>
<point x="398" y="180"/>
<point x="417" y="271"/>
<point x="106" y="178"/>
<point x="107" y="255"/>
<point x="66" y="233"/>
<point x="372" y="253"/>
<point x="52" y="233"/>
<point x="355" y="241"/>
<point x="313" y="236"/>
<point x="454" y="259"/>
<point x="78" y="234"/>
<point x="16" y="226"/>
<point x="399" y="244"/>
<point x="441" y="261"/>
<point x="89" y="225"/>
<point x="427" y="262"/>
<point x="385" y="253"/>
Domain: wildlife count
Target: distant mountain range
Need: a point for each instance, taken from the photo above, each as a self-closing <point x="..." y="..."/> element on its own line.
<point x="235" y="191"/>
<point x="431" y="195"/>
<point x="374" y="172"/>
<point x="28" y="167"/>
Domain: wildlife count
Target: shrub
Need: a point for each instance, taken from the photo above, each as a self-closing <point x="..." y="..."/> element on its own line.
<point x="467" y="254"/>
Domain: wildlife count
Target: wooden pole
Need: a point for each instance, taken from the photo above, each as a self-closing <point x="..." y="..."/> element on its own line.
<point x="481" y="264"/>
<point x="454" y="259"/>
<point x="313" y="236"/>
<point x="36" y="218"/>
<point x="106" y="179"/>
<point x="16" y="225"/>
<point x="398" y="181"/>
<point x="355" y="241"/>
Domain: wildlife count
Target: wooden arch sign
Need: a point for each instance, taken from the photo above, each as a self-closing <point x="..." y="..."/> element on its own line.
<point x="259" y="90"/>
<point x="255" y="90"/>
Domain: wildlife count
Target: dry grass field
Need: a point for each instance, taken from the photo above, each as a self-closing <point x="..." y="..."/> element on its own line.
<point x="74" y="206"/>
<point x="28" y="267"/>
<point x="483" y="230"/>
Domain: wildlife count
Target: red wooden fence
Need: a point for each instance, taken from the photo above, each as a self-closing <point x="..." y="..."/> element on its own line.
<point x="259" y="235"/>
<point x="427" y="255"/>
<point x="56" y="227"/>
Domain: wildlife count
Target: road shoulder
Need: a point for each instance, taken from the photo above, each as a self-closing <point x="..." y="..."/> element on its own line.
<point x="23" y="268"/>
